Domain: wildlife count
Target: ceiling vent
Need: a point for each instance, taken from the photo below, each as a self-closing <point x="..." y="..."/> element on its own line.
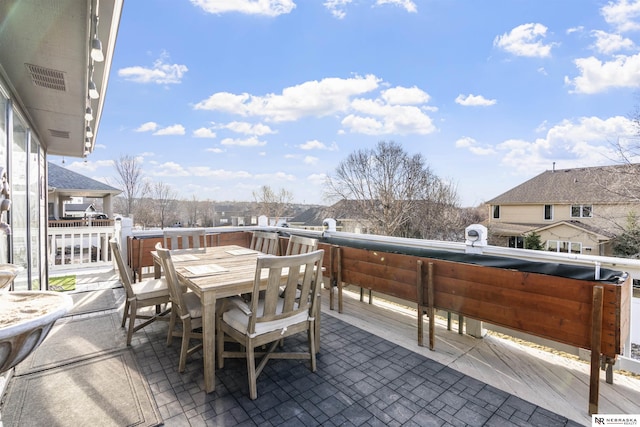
<point x="59" y="133"/>
<point x="46" y="77"/>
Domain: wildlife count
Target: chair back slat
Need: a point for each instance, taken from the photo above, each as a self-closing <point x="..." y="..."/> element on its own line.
<point x="178" y="238"/>
<point x="123" y="271"/>
<point x="301" y="245"/>
<point x="175" y="290"/>
<point x="300" y="286"/>
<point x="265" y="242"/>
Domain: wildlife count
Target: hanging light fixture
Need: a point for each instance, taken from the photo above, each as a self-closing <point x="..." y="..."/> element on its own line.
<point x="89" y="131"/>
<point x="87" y="142"/>
<point x="96" y="49"/>
<point x="88" y="113"/>
<point x="96" y="44"/>
<point x="93" y="90"/>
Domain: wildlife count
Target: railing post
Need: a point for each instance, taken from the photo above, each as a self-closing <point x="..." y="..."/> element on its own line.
<point x="476" y="241"/>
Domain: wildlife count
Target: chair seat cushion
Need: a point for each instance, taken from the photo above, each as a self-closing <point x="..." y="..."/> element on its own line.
<point x="238" y="319"/>
<point x="151" y="288"/>
<point x="194" y="305"/>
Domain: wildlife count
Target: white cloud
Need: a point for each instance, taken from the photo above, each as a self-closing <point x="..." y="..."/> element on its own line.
<point x="205" y="171"/>
<point x="250" y="7"/>
<point x="396" y="110"/>
<point x="276" y="176"/>
<point x="147" y="127"/>
<point x="608" y="43"/>
<point x="311" y="160"/>
<point x="337" y="7"/>
<point x="258" y="129"/>
<point x="312" y="98"/>
<point x="317" y="145"/>
<point x="623" y="14"/>
<point x="373" y="117"/>
<point x="171" y="169"/>
<point x="405" y="95"/>
<point x="525" y="40"/>
<point x="90" y="166"/>
<point x="317" y="178"/>
<point x="407" y="5"/>
<point x="472" y="145"/>
<point x="586" y="141"/>
<point x="597" y="76"/>
<point x="204" y="133"/>
<point x="248" y="142"/>
<point x="577" y="29"/>
<point x="170" y="130"/>
<point x="216" y="150"/>
<point x="474" y="101"/>
<point x="159" y="73"/>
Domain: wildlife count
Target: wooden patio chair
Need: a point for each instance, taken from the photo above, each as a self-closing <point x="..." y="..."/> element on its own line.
<point x="145" y="293"/>
<point x="186" y="308"/>
<point x="271" y="317"/>
<point x="301" y="245"/>
<point x="265" y="242"/>
<point x="177" y="238"/>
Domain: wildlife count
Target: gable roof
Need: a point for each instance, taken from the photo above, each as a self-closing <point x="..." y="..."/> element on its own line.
<point x="67" y="182"/>
<point x="315" y="216"/>
<point x="601" y="184"/>
<point x="79" y="207"/>
<point x="600" y="233"/>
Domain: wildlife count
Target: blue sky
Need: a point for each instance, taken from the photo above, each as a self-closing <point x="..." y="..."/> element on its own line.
<point x="219" y="97"/>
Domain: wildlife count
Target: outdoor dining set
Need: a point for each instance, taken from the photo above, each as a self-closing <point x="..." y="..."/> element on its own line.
<point x="216" y="296"/>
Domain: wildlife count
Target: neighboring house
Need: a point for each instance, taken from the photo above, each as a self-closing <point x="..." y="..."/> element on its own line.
<point x="52" y="88"/>
<point x="78" y="210"/>
<point x="573" y="210"/>
<point x="65" y="184"/>
<point x="343" y="212"/>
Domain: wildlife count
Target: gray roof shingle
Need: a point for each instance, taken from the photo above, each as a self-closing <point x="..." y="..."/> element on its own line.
<point x="64" y="179"/>
<point x="602" y="184"/>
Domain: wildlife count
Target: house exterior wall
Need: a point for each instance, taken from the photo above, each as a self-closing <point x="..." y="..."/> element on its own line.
<point x="612" y="218"/>
<point x="581" y="242"/>
<point x="24" y="159"/>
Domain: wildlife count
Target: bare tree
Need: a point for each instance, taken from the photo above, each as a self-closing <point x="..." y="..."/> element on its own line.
<point x="164" y="201"/>
<point x="193" y="210"/>
<point x="271" y="203"/>
<point x="130" y="180"/>
<point x="390" y="189"/>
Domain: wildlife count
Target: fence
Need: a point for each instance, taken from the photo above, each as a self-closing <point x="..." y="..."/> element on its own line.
<point x="80" y="243"/>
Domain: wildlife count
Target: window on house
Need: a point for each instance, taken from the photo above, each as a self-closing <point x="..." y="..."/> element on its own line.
<point x="564" y="246"/>
<point x="581" y="211"/>
<point x="516" y="242"/>
<point x="496" y="211"/>
<point x="548" y="212"/>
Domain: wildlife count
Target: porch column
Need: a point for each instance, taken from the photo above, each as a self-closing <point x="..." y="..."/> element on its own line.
<point x="107" y="205"/>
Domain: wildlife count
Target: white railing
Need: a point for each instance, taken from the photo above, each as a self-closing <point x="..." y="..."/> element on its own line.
<point x="80" y="246"/>
<point x="629" y="266"/>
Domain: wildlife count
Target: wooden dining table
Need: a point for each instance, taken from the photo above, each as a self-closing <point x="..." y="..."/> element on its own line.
<point x="213" y="273"/>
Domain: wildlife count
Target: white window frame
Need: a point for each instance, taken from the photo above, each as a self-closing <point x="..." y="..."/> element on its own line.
<point x="582" y="209"/>
<point x="564" y="246"/>
<point x="544" y="212"/>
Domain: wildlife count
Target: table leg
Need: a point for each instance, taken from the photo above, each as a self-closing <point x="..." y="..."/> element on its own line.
<point x="209" y="340"/>
<point x="157" y="269"/>
<point x="317" y="324"/>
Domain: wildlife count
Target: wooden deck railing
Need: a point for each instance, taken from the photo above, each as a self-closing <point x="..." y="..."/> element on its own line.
<point x="588" y="314"/>
<point x="81" y="222"/>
